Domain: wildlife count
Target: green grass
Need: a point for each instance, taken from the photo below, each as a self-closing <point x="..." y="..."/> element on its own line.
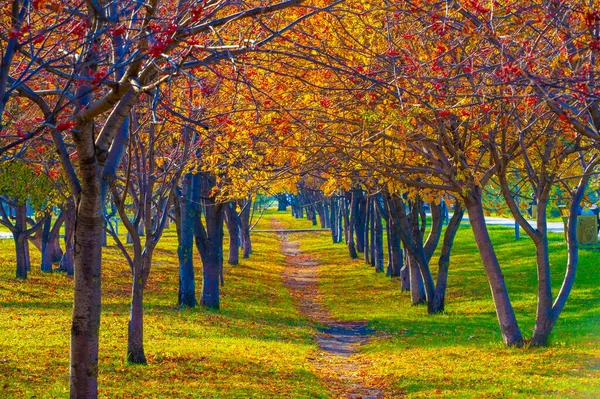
<point x="459" y="354"/>
<point x="258" y="346"/>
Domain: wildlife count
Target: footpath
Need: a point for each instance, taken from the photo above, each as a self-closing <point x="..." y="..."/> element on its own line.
<point x="338" y="340"/>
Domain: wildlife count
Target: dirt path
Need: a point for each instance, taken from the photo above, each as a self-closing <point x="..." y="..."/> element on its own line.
<point x="337" y="340"/>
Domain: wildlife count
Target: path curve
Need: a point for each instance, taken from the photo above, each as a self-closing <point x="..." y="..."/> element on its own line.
<point x="338" y="340"/>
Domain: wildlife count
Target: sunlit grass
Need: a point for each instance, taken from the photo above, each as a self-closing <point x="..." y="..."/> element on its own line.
<point x="459" y="354"/>
<point x="256" y="346"/>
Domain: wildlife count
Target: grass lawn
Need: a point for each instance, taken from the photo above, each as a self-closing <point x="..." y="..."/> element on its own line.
<point x="258" y="346"/>
<point x="459" y="354"/>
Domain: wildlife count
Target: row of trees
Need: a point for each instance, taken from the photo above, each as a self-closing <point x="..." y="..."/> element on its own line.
<point x="366" y="110"/>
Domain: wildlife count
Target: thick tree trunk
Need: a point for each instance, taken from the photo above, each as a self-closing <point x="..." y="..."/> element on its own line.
<point x="511" y="334"/>
<point x="233" y="227"/>
<point x="209" y="241"/>
<point x="87" y="297"/>
<point x="188" y="211"/>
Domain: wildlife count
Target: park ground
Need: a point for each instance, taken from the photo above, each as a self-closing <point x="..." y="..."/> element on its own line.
<point x="260" y="345"/>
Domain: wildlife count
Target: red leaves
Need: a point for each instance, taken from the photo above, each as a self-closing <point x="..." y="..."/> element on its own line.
<point x="475" y="5"/>
<point x="157" y="49"/>
<point x="53" y="173"/>
<point x="163" y="37"/>
<point x="15" y="34"/>
<point x="508" y="71"/>
<point x="591" y="18"/>
<point x="118" y="31"/>
<point x="99" y="75"/>
<point x="65" y="125"/>
<point x="325" y="102"/>
<point x="196" y="13"/>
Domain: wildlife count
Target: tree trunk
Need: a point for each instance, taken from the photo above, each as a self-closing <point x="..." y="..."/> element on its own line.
<point x="367" y="221"/>
<point x="435" y="233"/>
<point x="21" y="251"/>
<point x="359" y="220"/>
<point x="350" y="224"/>
<point x="88" y="259"/>
<point x="444" y="261"/>
<point x="511" y="334"/>
<point x="245" y="228"/>
<point x="313" y="215"/>
<point x="66" y="262"/>
<point x="188" y="211"/>
<point x="378" y="239"/>
<point x="395" y="262"/>
<point x="281" y="204"/>
<point x="51" y="252"/>
<point x="233" y="227"/>
<point x="21" y="244"/>
<point x="405" y="274"/>
<point x="372" y="239"/>
<point x="135" y="328"/>
<point x="209" y="241"/>
<point x="417" y="288"/>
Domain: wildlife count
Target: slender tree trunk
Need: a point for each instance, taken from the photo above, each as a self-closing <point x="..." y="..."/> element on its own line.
<point x="233" y="227"/>
<point x="350" y="224"/>
<point x="372" y="229"/>
<point x="511" y="334"/>
<point x="367" y="222"/>
<point x="245" y="228"/>
<point x="334" y="219"/>
<point x="135" y="328"/>
<point x="46" y="265"/>
<point x="378" y="240"/>
<point x="444" y="261"/>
